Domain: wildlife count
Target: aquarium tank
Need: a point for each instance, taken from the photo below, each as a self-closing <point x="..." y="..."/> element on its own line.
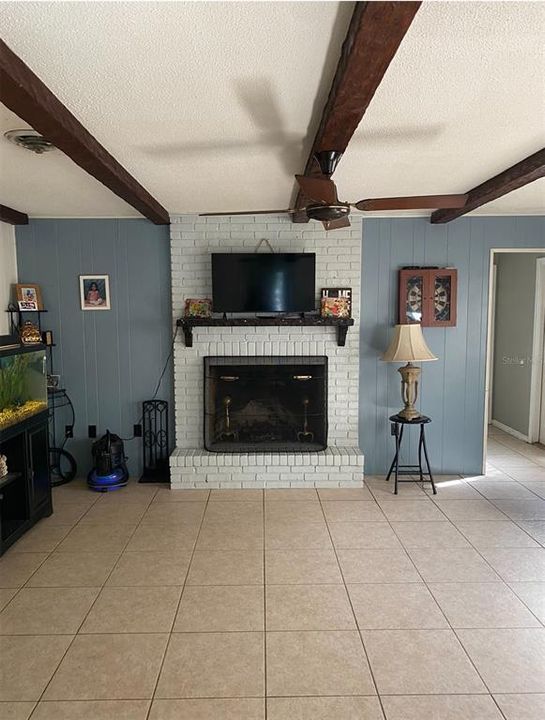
<point x="23" y="385"/>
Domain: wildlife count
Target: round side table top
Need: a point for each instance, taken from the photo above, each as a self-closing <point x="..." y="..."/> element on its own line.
<point x="420" y="420"/>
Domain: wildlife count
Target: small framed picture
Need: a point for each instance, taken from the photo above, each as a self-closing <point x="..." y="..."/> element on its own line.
<point x="336" y="302"/>
<point x="28" y="296"/>
<point x="27" y="305"/>
<point x="53" y="381"/>
<point x="198" y="307"/>
<point x="94" y="292"/>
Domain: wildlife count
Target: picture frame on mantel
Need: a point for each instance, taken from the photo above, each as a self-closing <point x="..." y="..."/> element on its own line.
<point x="336" y="302"/>
<point x="94" y="292"/>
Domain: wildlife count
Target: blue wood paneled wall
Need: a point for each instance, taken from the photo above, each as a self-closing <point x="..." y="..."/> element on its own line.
<point x="452" y="388"/>
<point x="108" y="361"/>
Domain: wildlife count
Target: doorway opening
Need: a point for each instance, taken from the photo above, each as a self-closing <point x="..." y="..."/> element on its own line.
<point x="514" y="432"/>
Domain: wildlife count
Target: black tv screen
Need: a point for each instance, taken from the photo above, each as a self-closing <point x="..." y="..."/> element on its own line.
<point x="255" y="282"/>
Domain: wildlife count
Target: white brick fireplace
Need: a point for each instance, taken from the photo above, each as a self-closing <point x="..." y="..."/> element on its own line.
<point x="338" y="258"/>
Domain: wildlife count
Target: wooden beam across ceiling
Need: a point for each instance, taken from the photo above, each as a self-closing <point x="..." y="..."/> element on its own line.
<point x="11" y="216"/>
<point x="524" y="172"/>
<point x="374" y="35"/>
<point x="28" y="97"/>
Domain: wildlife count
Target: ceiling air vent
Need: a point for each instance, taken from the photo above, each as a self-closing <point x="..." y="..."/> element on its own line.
<point x="29" y="140"/>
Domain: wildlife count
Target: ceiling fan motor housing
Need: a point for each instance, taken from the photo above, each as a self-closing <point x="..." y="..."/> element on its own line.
<point x="328" y="160"/>
<point x="328" y="212"/>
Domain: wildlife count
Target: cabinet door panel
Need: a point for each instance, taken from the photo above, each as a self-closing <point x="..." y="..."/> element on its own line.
<point x="443" y="295"/>
<point x="39" y="466"/>
<point x="411" y="297"/>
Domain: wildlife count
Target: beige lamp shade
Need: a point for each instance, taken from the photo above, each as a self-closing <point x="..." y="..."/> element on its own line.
<point x="408" y="345"/>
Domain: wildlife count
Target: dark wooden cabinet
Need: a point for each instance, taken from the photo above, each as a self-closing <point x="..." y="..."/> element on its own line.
<point x="428" y="296"/>
<point x="25" y="493"/>
<point x="38" y="452"/>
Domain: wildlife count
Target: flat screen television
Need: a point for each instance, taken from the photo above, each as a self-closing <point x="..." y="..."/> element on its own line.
<point x="259" y="282"/>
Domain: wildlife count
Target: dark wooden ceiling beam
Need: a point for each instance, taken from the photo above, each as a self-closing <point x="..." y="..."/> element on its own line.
<point x="374" y="35"/>
<point x="524" y="172"/>
<point x="11" y="216"/>
<point x="26" y="95"/>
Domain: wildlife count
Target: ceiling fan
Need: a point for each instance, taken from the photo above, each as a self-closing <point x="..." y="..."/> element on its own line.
<point x="326" y="207"/>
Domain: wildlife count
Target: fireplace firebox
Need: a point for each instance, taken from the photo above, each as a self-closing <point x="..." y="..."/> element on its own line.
<point x="265" y="404"/>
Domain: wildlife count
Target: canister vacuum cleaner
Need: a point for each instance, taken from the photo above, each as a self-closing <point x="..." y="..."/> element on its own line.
<point x="110" y="467"/>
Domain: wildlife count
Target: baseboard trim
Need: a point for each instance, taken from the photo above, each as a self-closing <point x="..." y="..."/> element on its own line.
<point x="510" y="431"/>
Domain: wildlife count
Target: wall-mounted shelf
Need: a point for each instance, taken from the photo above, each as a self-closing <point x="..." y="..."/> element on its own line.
<point x="16" y="318"/>
<point x="342" y="324"/>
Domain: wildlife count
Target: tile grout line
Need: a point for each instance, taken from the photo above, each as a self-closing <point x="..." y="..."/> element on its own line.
<point x="491" y="500"/>
<point x="501" y="579"/>
<point x="441" y="609"/>
<point x="169" y="636"/>
<point x="371" y="673"/>
<point x="92" y="604"/>
<point x="51" y="552"/>
<point x="506" y="582"/>
<point x="447" y="620"/>
<point x="48" y="553"/>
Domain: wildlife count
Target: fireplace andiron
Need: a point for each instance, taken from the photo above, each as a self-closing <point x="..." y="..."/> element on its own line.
<point x="228" y="434"/>
<point x="306" y="435"/>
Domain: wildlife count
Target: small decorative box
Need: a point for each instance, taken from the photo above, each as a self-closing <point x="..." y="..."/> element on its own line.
<point x="198" y="307"/>
<point x="336" y="302"/>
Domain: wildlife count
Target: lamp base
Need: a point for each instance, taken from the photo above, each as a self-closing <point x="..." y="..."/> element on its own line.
<point x="409" y="414"/>
<point x="409" y="391"/>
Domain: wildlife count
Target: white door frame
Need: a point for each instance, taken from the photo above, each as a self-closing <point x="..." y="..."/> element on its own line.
<point x="536" y="383"/>
<point x="489" y="390"/>
<point x="541" y="438"/>
<point x="489" y="348"/>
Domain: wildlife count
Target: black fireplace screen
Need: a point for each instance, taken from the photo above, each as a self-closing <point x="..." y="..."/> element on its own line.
<point x="265" y="404"/>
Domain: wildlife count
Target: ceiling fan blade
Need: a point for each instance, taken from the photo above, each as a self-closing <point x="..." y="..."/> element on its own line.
<point x="319" y="189"/>
<point x="248" y="212"/>
<point x="417" y="202"/>
<point x="336" y="224"/>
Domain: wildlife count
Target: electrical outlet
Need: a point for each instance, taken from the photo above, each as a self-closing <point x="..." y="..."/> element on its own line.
<point x="92" y="432"/>
<point x="69" y="431"/>
<point x="137" y="430"/>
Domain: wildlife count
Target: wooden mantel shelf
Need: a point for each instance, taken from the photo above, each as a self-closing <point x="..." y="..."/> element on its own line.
<point x="342" y="324"/>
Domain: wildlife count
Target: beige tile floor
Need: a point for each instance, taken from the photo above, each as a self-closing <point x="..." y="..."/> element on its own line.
<point x="147" y="604"/>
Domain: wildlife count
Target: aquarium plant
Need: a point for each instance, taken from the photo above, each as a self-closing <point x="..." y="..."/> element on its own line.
<point x="16" y="402"/>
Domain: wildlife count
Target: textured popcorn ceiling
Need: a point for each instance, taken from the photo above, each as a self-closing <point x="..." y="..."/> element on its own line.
<point x="210" y="105"/>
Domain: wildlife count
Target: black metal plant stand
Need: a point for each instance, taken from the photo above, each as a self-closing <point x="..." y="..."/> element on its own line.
<point x="156" y="444"/>
<point x="398" y="469"/>
<point x="62" y="465"/>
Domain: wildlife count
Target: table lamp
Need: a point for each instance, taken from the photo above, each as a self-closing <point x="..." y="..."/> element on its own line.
<point x="408" y="345"/>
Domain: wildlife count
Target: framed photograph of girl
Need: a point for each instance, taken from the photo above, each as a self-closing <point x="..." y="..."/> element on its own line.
<point x="94" y="292"/>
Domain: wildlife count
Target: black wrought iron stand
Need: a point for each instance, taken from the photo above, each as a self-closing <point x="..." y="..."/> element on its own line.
<point x="398" y="469"/>
<point x="62" y="465"/>
<point x="156" y="443"/>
